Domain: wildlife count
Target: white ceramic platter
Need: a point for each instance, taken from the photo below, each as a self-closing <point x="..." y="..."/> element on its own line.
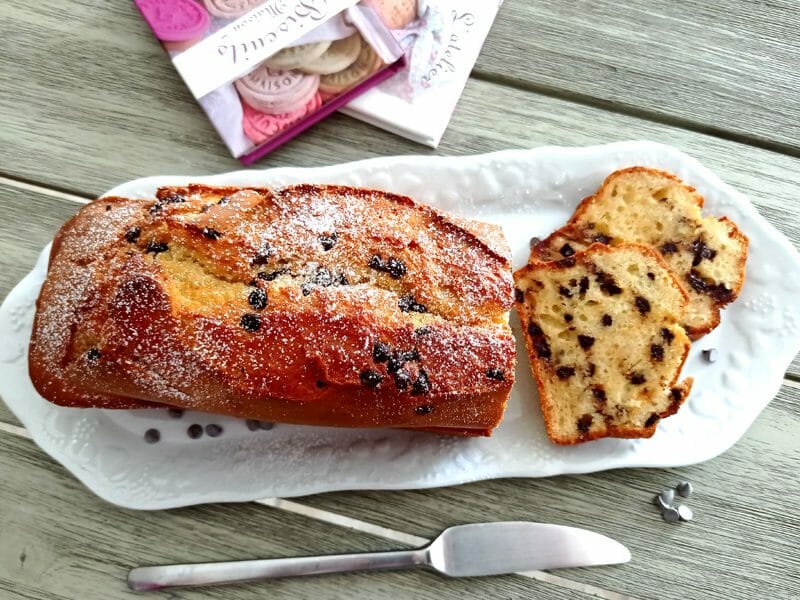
<point x="529" y="193"/>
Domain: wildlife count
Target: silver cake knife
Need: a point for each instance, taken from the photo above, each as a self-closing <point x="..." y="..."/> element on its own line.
<point x="461" y="551"/>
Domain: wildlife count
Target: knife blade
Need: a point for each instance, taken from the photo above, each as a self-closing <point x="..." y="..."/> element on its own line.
<point x="461" y="551"/>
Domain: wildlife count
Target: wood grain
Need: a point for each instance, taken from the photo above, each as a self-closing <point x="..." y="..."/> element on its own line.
<point x="60" y="541"/>
<point x="723" y="67"/>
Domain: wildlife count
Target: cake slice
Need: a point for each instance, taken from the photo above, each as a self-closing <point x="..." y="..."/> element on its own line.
<point x="647" y="206"/>
<point x="604" y="335"/>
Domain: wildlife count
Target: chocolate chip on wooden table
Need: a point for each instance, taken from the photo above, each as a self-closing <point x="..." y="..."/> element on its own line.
<point x="258" y="299"/>
<point x="370" y="378"/>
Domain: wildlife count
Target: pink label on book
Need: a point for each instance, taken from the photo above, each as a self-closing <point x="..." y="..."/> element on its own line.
<point x="249" y="40"/>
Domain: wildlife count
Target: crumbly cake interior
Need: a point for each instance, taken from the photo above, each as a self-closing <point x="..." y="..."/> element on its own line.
<point x="644" y="206"/>
<point x="604" y="335"/>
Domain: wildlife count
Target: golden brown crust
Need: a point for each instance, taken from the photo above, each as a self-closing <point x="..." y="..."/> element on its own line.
<point x="151" y="301"/>
<point x="542" y="369"/>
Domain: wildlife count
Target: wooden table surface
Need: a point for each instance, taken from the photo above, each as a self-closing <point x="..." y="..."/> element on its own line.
<point x="89" y="100"/>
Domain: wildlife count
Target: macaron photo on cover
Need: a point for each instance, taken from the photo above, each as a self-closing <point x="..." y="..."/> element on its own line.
<point x="263" y="71"/>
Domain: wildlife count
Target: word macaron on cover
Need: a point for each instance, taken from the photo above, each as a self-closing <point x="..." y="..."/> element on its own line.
<point x="263" y="71"/>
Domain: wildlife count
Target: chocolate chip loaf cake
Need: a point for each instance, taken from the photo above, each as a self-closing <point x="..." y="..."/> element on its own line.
<point x="310" y="304"/>
<point x="652" y="207"/>
<point x="602" y="328"/>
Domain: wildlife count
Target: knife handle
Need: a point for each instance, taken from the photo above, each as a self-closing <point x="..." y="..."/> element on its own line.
<point x="156" y="577"/>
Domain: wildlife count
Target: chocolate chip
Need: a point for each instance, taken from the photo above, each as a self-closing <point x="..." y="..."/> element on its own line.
<point x="250" y="322"/>
<point x="669" y="248"/>
<point x="322" y="276"/>
<point x="585" y="341"/>
<point x="608" y="285"/>
<point x="409" y="304"/>
<point x="684" y="489"/>
<point x="211" y="233"/>
<point x="156" y="247"/>
<point x="328" y="241"/>
<point x="380" y="352"/>
<point x="257" y="299"/>
<point x="422" y="385"/>
<point x="252" y="425"/>
<point x="496" y="374"/>
<point x="566" y="250"/>
<point x="601" y="239"/>
<point x="701" y="252"/>
<point x="263" y="255"/>
<point x="710" y="355"/>
<point x="534" y="330"/>
<point x="636" y="378"/>
<point x="223" y="201"/>
<point x="718" y="292"/>
<point x="306" y="288"/>
<point x="213" y="430"/>
<point x="599" y="394"/>
<point x="542" y="347"/>
<point x="402" y="379"/>
<point x="667" y="335"/>
<point x="370" y="378"/>
<point x="132" y="235"/>
<point x="173" y="198"/>
<point x="564" y="292"/>
<point x="585" y="423"/>
<point x="642" y="305"/>
<point x="565" y="372"/>
<point x="590" y="369"/>
<point x="271" y="276"/>
<point x="607" y="320"/>
<point x="266" y="425"/>
<point x="195" y="431"/>
<point x="341" y="279"/>
<point x="422" y="331"/>
<point x="566" y="262"/>
<point x="685" y="513"/>
<point x="651" y="275"/>
<point x="519" y="295"/>
<point x="155" y="207"/>
<point x="568" y="317"/>
<point x="395" y="362"/>
<point x="584" y="284"/>
<point x="676" y="394"/>
<point x="321" y="384"/>
<point x="206" y="208"/>
<point x="93" y="354"/>
<point x="425" y="409"/>
<point x="108" y="207"/>
<point x="152" y="436"/>
<point x="533" y="242"/>
<point x="656" y="351"/>
<point x="395" y="267"/>
<point x="175" y="413"/>
<point x="652" y="420"/>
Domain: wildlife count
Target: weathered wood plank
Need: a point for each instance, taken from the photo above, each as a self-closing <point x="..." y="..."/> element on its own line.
<point x="743" y="543"/>
<point x="728" y="67"/>
<point x="61" y="542"/>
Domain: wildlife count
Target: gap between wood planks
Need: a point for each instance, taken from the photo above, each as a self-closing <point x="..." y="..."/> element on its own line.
<point x="384" y="532"/>
<point x="633" y="111"/>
